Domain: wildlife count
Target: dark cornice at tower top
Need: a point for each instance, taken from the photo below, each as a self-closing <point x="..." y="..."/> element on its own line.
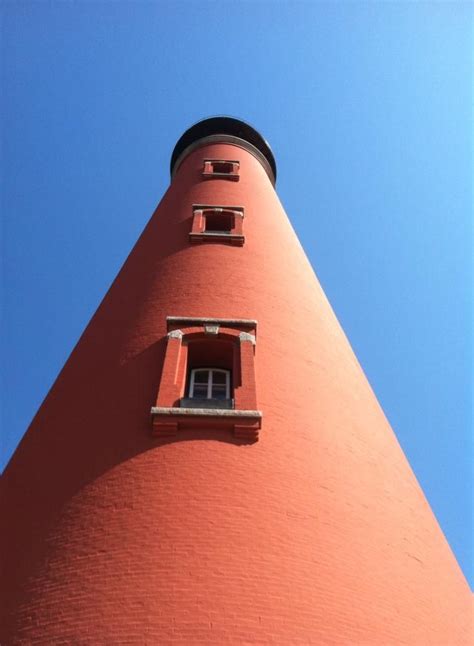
<point x="232" y="131"/>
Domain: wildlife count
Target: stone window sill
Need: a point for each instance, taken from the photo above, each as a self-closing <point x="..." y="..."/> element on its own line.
<point x="232" y="176"/>
<point x="229" y="238"/>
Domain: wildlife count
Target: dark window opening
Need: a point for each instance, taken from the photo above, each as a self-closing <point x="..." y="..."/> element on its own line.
<point x="222" y="167"/>
<point x="219" y="222"/>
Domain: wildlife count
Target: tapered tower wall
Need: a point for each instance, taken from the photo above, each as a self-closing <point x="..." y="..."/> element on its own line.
<point x="316" y="533"/>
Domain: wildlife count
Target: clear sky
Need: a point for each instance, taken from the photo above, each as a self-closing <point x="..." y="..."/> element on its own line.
<point x="367" y="107"/>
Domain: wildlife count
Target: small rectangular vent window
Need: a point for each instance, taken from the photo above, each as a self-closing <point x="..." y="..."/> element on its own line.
<point x="217" y="224"/>
<point x="221" y="169"/>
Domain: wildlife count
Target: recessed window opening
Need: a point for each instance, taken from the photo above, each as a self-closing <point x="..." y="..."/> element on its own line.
<point x="210" y="374"/>
<point x="209" y="383"/>
<point x="219" y="222"/>
<point x="222" y="167"/>
<point x="208" y="379"/>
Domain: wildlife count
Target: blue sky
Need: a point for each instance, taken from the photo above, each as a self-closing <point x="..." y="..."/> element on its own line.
<point x="367" y="107"/>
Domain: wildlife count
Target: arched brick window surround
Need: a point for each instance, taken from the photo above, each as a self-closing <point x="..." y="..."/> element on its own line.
<point x="235" y="335"/>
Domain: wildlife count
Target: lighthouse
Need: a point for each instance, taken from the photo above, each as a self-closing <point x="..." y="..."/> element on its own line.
<point x="211" y="465"/>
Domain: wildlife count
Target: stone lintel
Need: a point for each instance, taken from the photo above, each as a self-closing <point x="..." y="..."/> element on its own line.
<point x="238" y="210"/>
<point x="190" y="321"/>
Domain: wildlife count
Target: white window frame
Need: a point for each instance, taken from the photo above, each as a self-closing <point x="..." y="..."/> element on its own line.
<point x="209" y="381"/>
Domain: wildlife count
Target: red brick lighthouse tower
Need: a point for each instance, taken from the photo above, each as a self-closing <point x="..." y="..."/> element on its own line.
<point x="211" y="465"/>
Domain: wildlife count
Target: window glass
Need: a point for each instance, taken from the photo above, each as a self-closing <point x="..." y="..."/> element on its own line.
<point x="219" y="377"/>
<point x="201" y="376"/>
<point x="219" y="392"/>
<point x="200" y="391"/>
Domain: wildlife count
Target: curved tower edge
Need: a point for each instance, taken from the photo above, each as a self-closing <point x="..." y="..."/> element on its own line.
<point x="224" y="130"/>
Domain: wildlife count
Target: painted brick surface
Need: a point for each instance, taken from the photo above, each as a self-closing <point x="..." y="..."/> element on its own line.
<point x="316" y="534"/>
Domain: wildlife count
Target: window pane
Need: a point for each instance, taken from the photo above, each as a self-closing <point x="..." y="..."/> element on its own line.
<point x="201" y="376"/>
<point x="219" y="392"/>
<point x="219" y="377"/>
<point x="200" y="391"/>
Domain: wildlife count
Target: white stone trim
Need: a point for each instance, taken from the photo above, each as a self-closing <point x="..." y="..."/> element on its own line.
<point x="205" y="412"/>
<point x="211" y="330"/>
<point x="191" y="321"/>
<point x="245" y="336"/>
